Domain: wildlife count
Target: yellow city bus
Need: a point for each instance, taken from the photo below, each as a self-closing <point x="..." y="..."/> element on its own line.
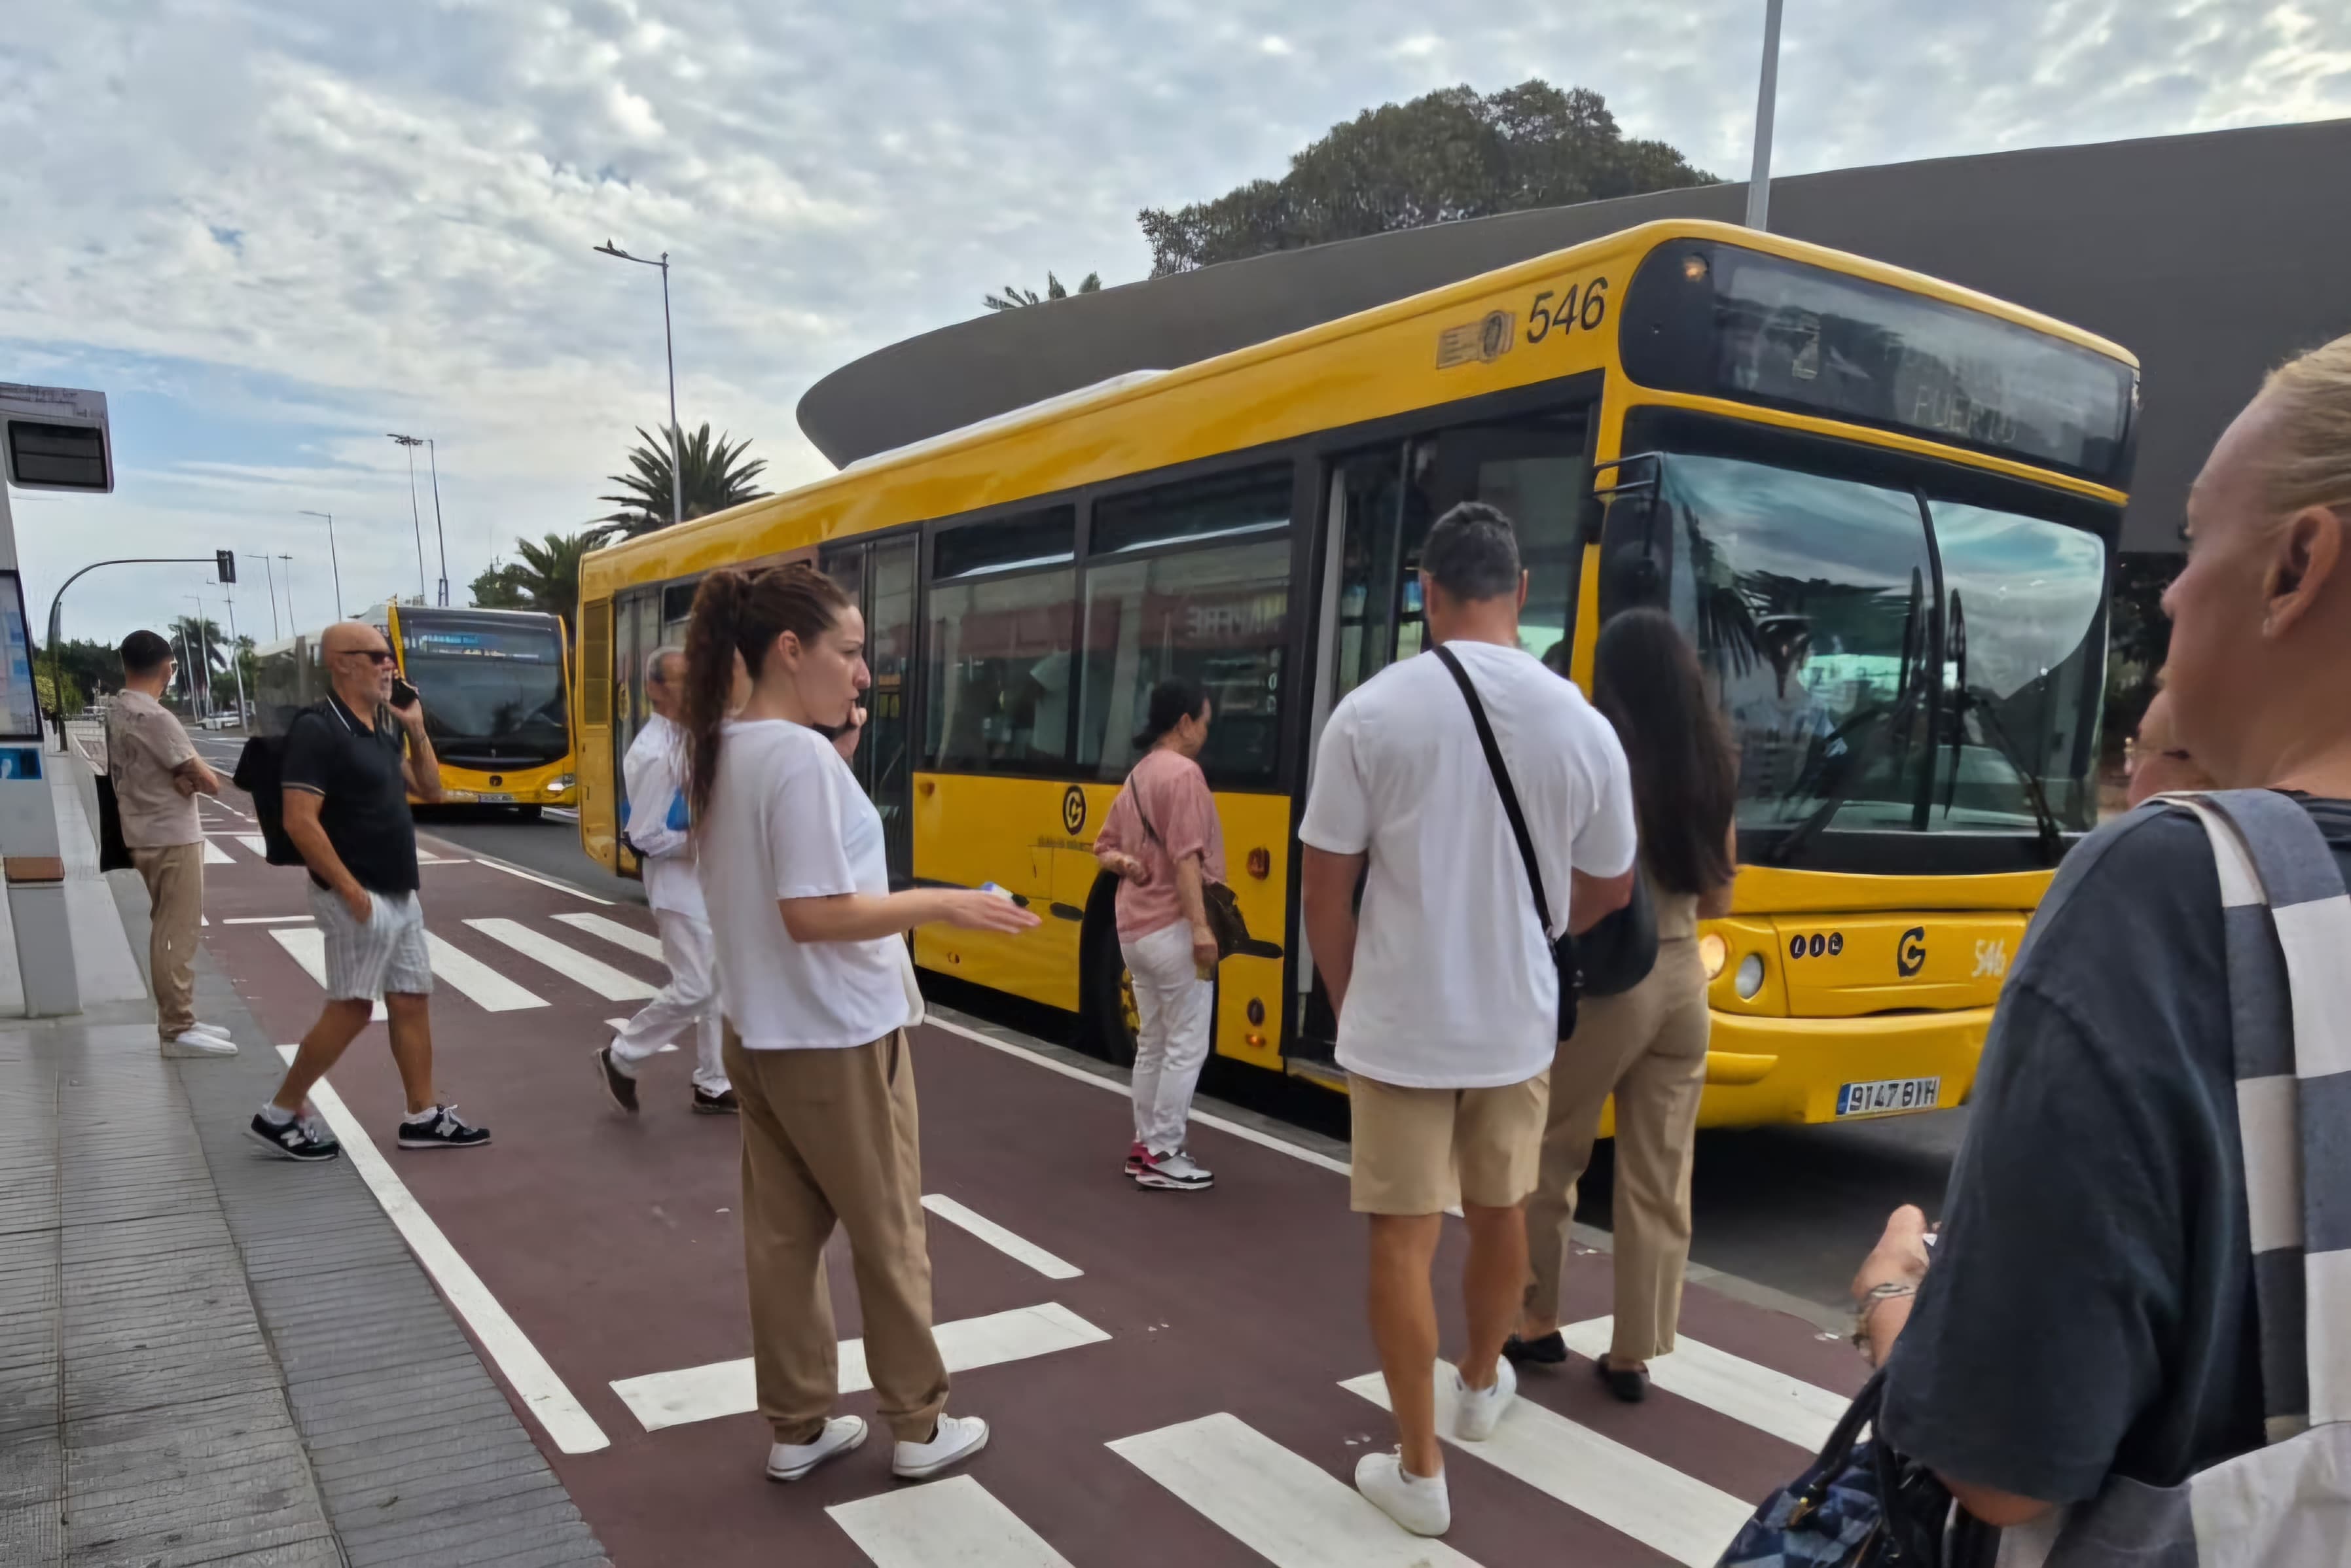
<point x="1885" y="509"/>
<point x="496" y="689"/>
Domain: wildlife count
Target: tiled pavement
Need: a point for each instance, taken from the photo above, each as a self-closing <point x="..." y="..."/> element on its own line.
<point x="208" y="1356"/>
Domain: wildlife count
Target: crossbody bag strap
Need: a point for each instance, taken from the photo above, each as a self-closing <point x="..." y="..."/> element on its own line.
<point x="1503" y="785"/>
<point x="2287" y="923"/>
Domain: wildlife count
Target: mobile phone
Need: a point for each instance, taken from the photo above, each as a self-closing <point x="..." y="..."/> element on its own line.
<point x="402" y="694"/>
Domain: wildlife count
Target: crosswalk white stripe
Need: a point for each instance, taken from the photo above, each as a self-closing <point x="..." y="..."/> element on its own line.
<point x="1017" y="1248"/>
<point x="957" y="1521"/>
<point x="1284" y="1508"/>
<point x="1623" y="1488"/>
<point x="308" y="947"/>
<point x="476" y="981"/>
<point x="1802" y="1412"/>
<point x="542" y="881"/>
<point x="253" y="841"/>
<point x="268" y="920"/>
<point x="215" y="855"/>
<point x="661" y="1400"/>
<point x="619" y="1024"/>
<point x="573" y="965"/>
<point x="629" y="937"/>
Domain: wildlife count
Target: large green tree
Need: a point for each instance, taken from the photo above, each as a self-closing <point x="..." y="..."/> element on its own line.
<point x="714" y="474"/>
<point x="1014" y="296"/>
<point x="1450" y="155"/>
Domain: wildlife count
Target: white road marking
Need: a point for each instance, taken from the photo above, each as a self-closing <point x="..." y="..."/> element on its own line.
<point x="573" y="965"/>
<point x="957" y="1521"/>
<point x="215" y="855"/>
<point x="268" y="920"/>
<point x="1623" y="1488"/>
<point x="542" y="881"/>
<point x="1003" y="1241"/>
<point x="612" y="930"/>
<point x="309" y="949"/>
<point x="624" y="1023"/>
<point x="1286" y="1509"/>
<point x="1773" y="1402"/>
<point x="256" y="842"/>
<point x="542" y="1391"/>
<point x="1200" y="1118"/>
<point x="476" y="981"/>
<point x="422" y="859"/>
<point x="661" y="1400"/>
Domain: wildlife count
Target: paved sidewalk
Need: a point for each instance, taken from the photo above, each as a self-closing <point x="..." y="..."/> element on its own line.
<point x="209" y="1356"/>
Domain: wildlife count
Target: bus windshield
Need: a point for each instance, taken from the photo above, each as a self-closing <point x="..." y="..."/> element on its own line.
<point x="1813" y="604"/>
<point x="492" y="687"/>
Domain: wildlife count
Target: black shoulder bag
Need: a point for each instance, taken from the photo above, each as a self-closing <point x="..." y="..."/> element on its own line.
<point x="1563" y="951"/>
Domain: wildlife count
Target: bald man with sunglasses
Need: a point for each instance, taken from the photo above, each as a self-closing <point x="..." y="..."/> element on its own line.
<point x="349" y="766"/>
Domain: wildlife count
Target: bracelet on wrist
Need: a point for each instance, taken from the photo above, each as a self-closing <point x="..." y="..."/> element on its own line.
<point x="1875" y="1298"/>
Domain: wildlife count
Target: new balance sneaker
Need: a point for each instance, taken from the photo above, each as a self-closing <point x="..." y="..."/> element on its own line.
<point x="195" y="1043"/>
<point x="954" y="1440"/>
<point x="441" y="1128"/>
<point x="1478" y="1411"/>
<point x="722" y="1103"/>
<point x="620" y="1087"/>
<point x="1178" y="1172"/>
<point x="791" y="1461"/>
<point x="1420" y="1503"/>
<point x="1137" y="1155"/>
<point x="295" y="1138"/>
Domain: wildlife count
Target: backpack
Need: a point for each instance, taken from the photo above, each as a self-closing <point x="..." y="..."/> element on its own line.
<point x="257" y="775"/>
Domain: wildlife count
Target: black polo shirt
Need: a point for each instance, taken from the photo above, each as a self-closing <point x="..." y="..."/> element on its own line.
<point x="357" y="771"/>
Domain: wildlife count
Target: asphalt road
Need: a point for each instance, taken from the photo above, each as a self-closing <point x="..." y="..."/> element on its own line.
<point x="1793" y="1209"/>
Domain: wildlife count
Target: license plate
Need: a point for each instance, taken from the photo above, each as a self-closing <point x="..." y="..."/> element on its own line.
<point x="494" y="799"/>
<point x="1887" y="1094"/>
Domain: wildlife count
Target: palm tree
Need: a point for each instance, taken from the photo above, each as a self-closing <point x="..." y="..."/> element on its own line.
<point x="548" y="574"/>
<point x="1014" y="297"/>
<point x="715" y="478"/>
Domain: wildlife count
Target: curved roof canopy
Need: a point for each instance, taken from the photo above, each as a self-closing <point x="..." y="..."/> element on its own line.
<point x="2210" y="257"/>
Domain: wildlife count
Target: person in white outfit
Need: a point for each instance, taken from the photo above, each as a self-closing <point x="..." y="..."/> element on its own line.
<point x="657" y="830"/>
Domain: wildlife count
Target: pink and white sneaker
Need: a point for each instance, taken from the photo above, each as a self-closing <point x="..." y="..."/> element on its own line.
<point x="1137" y="1157"/>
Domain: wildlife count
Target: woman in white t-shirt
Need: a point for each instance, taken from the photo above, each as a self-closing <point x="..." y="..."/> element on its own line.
<point x="810" y="958"/>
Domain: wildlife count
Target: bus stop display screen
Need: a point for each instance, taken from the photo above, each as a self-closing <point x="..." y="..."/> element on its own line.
<point x="1736" y="323"/>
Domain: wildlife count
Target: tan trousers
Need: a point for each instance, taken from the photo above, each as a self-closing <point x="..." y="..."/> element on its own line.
<point x="1648" y="1047"/>
<point x="830" y="1137"/>
<point x="175" y="875"/>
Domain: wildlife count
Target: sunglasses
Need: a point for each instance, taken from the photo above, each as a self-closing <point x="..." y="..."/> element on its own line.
<point x="373" y="655"/>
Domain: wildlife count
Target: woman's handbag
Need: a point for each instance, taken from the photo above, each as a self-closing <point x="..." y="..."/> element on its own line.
<point x="1618" y="952"/>
<point x="1218" y="901"/>
<point x="113" y="850"/>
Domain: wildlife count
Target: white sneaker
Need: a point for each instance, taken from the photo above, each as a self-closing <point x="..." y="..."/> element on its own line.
<point x="195" y="1043"/>
<point x="1420" y="1503"/>
<point x="210" y="1029"/>
<point x="791" y="1461"/>
<point x="1178" y="1172"/>
<point x="957" y="1439"/>
<point x="1477" y="1412"/>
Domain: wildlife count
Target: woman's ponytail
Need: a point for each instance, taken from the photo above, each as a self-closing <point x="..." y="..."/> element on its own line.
<point x="710" y="680"/>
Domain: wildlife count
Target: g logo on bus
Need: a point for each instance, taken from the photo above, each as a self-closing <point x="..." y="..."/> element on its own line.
<point x="1073" y="810"/>
<point x="1911" y="955"/>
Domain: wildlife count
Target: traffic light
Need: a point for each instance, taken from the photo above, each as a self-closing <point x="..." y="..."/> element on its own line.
<point x="226" y="562"/>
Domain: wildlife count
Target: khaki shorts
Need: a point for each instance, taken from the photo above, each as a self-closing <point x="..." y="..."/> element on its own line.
<point x="1424" y="1151"/>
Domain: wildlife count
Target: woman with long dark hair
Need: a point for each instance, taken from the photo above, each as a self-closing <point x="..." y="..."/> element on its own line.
<point x="1645" y="1046"/>
<point x="1160" y="839"/>
<point x="808" y="937"/>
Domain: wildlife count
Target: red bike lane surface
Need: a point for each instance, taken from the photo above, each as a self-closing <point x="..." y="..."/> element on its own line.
<point x="614" y="1242"/>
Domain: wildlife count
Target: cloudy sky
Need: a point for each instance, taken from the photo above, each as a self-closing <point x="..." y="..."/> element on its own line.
<point x="272" y="232"/>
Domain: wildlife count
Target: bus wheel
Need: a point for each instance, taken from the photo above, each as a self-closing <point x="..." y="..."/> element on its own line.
<point x="1110" y="1020"/>
<point x="529" y="813"/>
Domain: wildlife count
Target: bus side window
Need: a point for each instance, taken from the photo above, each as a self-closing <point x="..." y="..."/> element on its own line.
<point x="1003" y="626"/>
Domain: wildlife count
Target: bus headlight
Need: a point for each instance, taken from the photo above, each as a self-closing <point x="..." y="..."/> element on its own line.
<point x="1750" y="979"/>
<point x="1714" y="953"/>
<point x="558" y="785"/>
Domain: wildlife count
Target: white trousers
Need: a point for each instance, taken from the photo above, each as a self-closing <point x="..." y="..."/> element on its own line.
<point x="690" y="998"/>
<point x="1178" y="1008"/>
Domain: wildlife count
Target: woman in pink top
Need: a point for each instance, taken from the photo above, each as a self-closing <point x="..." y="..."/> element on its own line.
<point x="1160" y="839"/>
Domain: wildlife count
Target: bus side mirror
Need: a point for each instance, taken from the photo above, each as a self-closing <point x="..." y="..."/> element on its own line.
<point x="1635" y="536"/>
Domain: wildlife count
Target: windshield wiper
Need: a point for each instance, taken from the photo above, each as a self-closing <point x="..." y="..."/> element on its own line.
<point x="1964" y="697"/>
<point x="1896" y="715"/>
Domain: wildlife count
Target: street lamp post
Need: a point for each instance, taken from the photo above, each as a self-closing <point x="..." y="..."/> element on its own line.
<point x="291" y="624"/>
<point x="1767" y="95"/>
<point x="669" y="348"/>
<point x="333" y="558"/>
<point x="440" y="536"/>
<point x="271" y="575"/>
<point x="236" y="645"/>
<point x="413" y="443"/>
<point x="204" y="650"/>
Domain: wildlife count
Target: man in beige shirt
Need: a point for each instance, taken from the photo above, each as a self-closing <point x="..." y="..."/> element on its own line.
<point x="157" y="776"/>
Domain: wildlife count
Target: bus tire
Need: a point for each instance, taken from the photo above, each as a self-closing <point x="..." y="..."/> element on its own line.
<point x="1106" y="1019"/>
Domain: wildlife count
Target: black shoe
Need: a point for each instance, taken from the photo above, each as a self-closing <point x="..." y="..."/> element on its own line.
<point x="1548" y="1351"/>
<point x="447" y="1130"/>
<point x="619" y="1087"/>
<point x="295" y="1140"/>
<point x="1632" y="1388"/>
<point x="706" y="1104"/>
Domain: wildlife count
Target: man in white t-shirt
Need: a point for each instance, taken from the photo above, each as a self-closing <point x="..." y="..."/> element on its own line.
<point x="656" y="772"/>
<point x="1445" y="987"/>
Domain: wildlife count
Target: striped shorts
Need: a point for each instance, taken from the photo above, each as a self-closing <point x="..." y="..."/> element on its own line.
<point x="387" y="954"/>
